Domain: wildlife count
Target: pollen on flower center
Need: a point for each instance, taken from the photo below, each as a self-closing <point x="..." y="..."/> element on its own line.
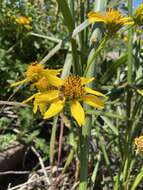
<point x="72" y="88"/>
<point x="34" y="72"/>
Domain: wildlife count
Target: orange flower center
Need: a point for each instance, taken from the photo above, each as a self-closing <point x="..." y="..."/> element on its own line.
<point x="72" y="88"/>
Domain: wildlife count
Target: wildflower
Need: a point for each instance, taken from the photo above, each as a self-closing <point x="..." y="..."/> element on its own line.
<point x="72" y="92"/>
<point x="112" y="19"/>
<point x="139" y="144"/>
<point x="40" y="77"/>
<point x="138" y="17"/>
<point x="41" y="106"/>
<point x="22" y="20"/>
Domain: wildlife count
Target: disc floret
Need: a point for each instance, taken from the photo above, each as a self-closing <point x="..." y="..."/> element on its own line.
<point x="72" y="88"/>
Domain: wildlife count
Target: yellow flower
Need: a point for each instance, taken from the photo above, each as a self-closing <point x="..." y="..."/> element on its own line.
<point x="41" y="106"/>
<point x="139" y="144"/>
<point x="22" y="20"/>
<point x="112" y="19"/>
<point x="138" y="17"/>
<point x="40" y="77"/>
<point x="72" y="92"/>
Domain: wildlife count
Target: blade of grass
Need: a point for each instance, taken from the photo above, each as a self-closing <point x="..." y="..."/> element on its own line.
<point x="69" y="21"/>
<point x="94" y="174"/>
<point x="67" y="15"/>
<point x="53" y="39"/>
<point x="130" y="45"/>
<point x="67" y="65"/>
<point x="110" y="124"/>
<point x="137" y="180"/>
<point x="52" y="140"/>
<point x="70" y="157"/>
<point x="85" y="132"/>
<point x="127" y="147"/>
<point x="80" y="27"/>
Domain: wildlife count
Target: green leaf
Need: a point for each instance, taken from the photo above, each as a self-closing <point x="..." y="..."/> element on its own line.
<point x="79" y="28"/>
<point x="110" y="124"/>
<point x="137" y="180"/>
<point x="69" y="160"/>
<point x="53" y="139"/>
<point x="65" y="10"/>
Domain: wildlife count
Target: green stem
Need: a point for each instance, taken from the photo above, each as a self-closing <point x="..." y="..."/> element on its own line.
<point x="127" y="149"/>
<point x="95" y="53"/>
<point x="84" y="150"/>
<point x="130" y="46"/>
<point x="85" y="132"/>
<point x="82" y="36"/>
<point x="129" y="75"/>
<point x="53" y="139"/>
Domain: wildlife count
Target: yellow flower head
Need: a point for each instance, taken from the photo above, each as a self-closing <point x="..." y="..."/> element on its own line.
<point x="40" y="77"/>
<point x="34" y="72"/>
<point x="22" y="20"/>
<point x="139" y="144"/>
<point x="138" y="17"/>
<point x="73" y="91"/>
<point x="112" y="19"/>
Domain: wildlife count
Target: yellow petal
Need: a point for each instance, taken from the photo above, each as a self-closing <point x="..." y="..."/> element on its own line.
<point x="48" y="96"/>
<point x="86" y="81"/>
<point x="54" y="81"/>
<point x="54" y="109"/>
<point x="140" y="92"/>
<point x="35" y="106"/>
<point x="42" y="108"/>
<point x="53" y="71"/>
<point x="90" y="91"/>
<point x="19" y="83"/>
<point x="95" y="17"/>
<point x="78" y="112"/>
<point x="93" y="101"/>
<point x="30" y="98"/>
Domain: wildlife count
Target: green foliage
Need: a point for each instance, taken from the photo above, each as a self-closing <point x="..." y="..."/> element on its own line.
<point x="41" y="145"/>
<point x="6" y="140"/>
<point x="18" y="46"/>
<point x="117" y="68"/>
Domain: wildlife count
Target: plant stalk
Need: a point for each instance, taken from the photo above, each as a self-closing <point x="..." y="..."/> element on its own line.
<point x="127" y="158"/>
<point x="95" y="53"/>
<point x="85" y="131"/>
<point x="130" y="45"/>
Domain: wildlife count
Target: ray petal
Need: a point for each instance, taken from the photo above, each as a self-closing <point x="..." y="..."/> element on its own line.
<point x="78" y="112"/>
<point x="53" y="71"/>
<point x="54" y="80"/>
<point x="93" y="101"/>
<point x="30" y="98"/>
<point x="48" y="96"/>
<point x="86" y="81"/>
<point x="19" y="83"/>
<point x="54" y="109"/>
<point x="90" y="91"/>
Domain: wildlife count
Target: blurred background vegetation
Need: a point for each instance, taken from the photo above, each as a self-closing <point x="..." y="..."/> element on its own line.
<point x="23" y="44"/>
